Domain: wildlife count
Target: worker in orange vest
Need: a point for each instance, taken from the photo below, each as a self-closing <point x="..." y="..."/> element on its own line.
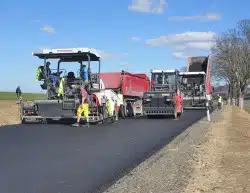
<point x="178" y="102"/>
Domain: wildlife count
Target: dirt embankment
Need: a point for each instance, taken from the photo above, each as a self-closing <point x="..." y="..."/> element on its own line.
<point x="223" y="157"/>
<point x="9" y="113"/>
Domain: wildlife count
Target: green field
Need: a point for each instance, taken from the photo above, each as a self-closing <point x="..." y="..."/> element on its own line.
<point x="25" y="96"/>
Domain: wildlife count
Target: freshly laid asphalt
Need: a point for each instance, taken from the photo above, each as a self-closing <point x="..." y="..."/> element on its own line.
<point x="60" y="158"/>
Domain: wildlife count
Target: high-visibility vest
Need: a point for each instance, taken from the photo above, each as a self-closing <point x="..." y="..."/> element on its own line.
<point x="110" y="113"/>
<point x="219" y="99"/>
<point x="83" y="109"/>
<point x="61" y="88"/>
<point x="121" y="98"/>
<point x="38" y="73"/>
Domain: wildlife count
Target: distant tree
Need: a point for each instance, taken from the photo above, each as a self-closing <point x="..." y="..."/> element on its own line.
<point x="183" y="69"/>
<point x="231" y="59"/>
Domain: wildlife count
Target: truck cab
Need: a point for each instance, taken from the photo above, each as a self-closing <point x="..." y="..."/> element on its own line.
<point x="164" y="97"/>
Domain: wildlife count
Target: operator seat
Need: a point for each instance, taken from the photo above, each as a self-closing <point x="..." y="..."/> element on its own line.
<point x="71" y="77"/>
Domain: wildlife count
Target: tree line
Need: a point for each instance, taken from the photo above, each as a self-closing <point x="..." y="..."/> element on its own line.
<point x="231" y="60"/>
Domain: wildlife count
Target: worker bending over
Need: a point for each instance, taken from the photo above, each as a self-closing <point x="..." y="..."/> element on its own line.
<point x="83" y="108"/>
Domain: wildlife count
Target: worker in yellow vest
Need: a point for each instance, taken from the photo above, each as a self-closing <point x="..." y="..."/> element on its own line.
<point x="109" y="107"/>
<point x="39" y="73"/>
<point x="219" y="101"/>
<point x="122" y="108"/>
<point x="61" y="88"/>
<point x="83" y="108"/>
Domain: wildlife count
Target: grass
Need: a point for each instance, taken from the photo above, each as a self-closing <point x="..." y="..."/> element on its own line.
<point x="25" y="96"/>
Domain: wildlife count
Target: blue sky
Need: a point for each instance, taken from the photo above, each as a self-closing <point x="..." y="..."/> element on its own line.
<point x="131" y="35"/>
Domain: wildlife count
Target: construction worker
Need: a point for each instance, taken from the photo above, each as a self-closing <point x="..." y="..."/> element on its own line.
<point x="122" y="108"/>
<point x="109" y="104"/>
<point x="110" y="107"/>
<point x="39" y="73"/>
<point x="219" y="101"/>
<point x="83" y="108"/>
<point x="85" y="72"/>
<point x="61" y="88"/>
<point x="48" y="70"/>
<point x="18" y="93"/>
<point x="178" y="98"/>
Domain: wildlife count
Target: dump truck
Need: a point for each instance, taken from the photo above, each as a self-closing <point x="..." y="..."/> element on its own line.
<point x="164" y="97"/>
<point x="130" y="88"/>
<point x="64" y="88"/>
<point x="195" y="83"/>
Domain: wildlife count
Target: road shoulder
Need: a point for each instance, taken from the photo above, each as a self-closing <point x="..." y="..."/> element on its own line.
<point x="9" y="112"/>
<point x="223" y="158"/>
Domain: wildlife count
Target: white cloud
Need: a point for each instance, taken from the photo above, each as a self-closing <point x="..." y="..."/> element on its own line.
<point x="185" y="42"/>
<point x="48" y="29"/>
<point x="37" y="21"/>
<point x="180" y="55"/>
<point x="137" y="39"/>
<point x="148" y="6"/>
<point x="107" y="55"/>
<point x="202" y="17"/>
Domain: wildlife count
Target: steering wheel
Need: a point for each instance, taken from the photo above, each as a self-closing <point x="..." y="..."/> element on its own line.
<point x="94" y="77"/>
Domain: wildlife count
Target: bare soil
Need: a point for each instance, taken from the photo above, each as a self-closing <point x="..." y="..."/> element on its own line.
<point x="9" y="112"/>
<point x="223" y="157"/>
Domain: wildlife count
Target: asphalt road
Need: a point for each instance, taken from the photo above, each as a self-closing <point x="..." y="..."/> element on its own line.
<point x="59" y="158"/>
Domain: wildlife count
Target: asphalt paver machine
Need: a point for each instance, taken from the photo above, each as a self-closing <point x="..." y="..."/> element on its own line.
<point x="196" y="83"/>
<point x="164" y="97"/>
<point x="64" y="89"/>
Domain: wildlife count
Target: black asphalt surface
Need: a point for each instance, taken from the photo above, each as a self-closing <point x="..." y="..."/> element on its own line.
<point x="59" y="158"/>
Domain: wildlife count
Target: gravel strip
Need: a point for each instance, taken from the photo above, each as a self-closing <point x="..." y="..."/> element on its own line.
<point x="170" y="169"/>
